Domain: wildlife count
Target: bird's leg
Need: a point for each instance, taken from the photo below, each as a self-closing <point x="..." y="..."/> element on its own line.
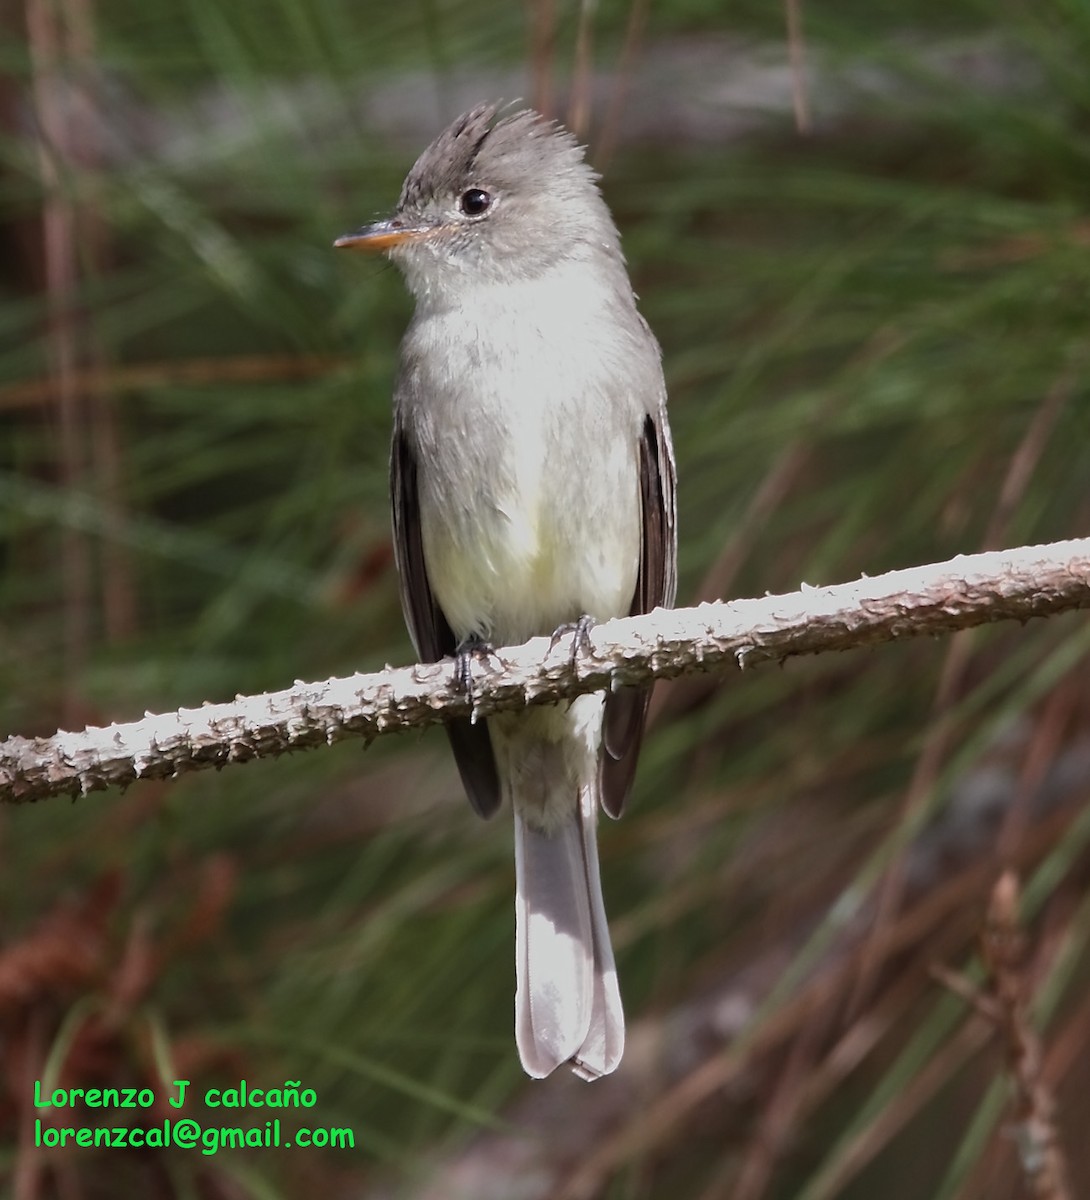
<point x="473" y="647"/>
<point x="580" y="636"/>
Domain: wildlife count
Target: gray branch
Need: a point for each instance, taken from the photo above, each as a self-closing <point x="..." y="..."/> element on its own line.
<point x="937" y="599"/>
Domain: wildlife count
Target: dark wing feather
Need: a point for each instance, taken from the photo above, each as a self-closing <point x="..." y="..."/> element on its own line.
<point x="428" y="626"/>
<point x="656" y="583"/>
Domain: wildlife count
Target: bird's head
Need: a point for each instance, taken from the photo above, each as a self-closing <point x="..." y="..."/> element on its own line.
<point x="502" y="200"/>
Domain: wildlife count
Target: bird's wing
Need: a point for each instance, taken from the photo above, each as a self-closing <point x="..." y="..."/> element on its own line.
<point x="656" y="583"/>
<point x="428" y="627"/>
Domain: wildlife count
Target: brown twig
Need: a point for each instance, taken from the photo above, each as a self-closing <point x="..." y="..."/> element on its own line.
<point x="82" y="152"/>
<point x="611" y="126"/>
<point x="1049" y="733"/>
<point x="796" y="45"/>
<point x="780" y="1114"/>
<point x="579" y="102"/>
<point x="44" y="31"/>
<point x="192" y="372"/>
<point x="1040" y="1153"/>
<point x="542" y="22"/>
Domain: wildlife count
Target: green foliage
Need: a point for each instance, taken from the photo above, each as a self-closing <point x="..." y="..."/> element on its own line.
<point x="886" y="306"/>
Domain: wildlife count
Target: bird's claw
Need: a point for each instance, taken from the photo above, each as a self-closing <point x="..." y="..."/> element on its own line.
<point x="473" y="647"/>
<point x="580" y="636"/>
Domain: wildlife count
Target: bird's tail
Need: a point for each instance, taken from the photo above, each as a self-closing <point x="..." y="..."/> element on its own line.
<point x="567" y="1003"/>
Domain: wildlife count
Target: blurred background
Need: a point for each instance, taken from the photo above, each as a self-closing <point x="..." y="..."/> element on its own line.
<point x="860" y="232"/>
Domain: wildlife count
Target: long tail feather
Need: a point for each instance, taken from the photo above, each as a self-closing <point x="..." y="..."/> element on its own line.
<point x="567" y="1003"/>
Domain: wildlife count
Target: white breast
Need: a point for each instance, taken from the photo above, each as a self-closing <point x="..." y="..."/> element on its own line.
<point x="528" y="448"/>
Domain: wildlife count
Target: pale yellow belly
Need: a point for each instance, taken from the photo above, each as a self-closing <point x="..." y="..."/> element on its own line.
<point x="554" y="546"/>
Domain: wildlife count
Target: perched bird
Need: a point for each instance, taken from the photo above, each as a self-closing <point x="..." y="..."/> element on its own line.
<point x="532" y="481"/>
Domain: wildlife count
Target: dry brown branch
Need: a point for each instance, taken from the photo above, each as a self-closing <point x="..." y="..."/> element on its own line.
<point x="191" y="372"/>
<point x="46" y="36"/>
<point x="796" y="45"/>
<point x="940" y="598"/>
<point x="623" y="75"/>
<point x="1040" y="1154"/>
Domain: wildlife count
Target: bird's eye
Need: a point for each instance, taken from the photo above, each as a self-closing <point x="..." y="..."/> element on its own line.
<point x="475" y="202"/>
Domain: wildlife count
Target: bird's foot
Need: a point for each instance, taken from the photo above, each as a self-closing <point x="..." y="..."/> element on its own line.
<point x="473" y="647"/>
<point x="580" y="636"/>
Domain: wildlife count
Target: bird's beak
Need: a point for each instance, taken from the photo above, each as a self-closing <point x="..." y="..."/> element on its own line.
<point x="382" y="235"/>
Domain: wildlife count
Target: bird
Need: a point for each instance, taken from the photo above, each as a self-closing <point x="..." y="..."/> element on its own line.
<point x="533" y="489"/>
